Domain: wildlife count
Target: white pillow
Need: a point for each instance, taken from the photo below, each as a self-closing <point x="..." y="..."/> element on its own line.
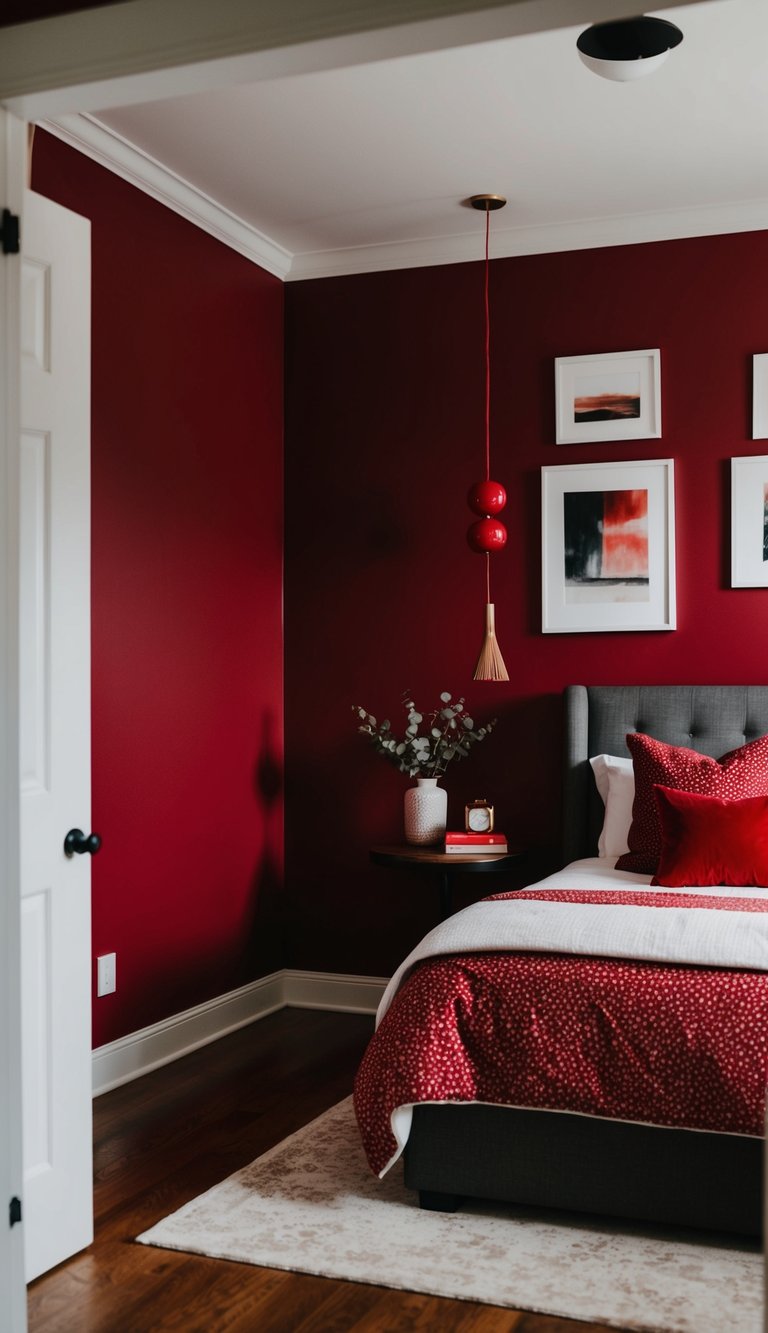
<point x="615" y="780"/>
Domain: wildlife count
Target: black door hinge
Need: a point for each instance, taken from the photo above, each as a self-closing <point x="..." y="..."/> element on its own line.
<point x="9" y="231"/>
<point x="14" y="1211"/>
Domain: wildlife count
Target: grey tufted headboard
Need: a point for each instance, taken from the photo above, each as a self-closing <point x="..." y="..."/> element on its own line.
<point x="710" y="718"/>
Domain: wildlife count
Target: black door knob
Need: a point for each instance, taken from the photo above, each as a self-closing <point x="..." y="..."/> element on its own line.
<point x="77" y="842"/>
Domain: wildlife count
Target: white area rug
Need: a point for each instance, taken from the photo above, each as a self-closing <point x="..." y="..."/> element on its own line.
<point x="312" y="1205"/>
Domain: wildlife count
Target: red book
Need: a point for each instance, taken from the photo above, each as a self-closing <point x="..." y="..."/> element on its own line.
<point x="473" y="842"/>
<point x="471" y="839"/>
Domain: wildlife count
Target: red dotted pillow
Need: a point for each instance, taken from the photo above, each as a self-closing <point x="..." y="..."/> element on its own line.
<point x="710" y="840"/>
<point x="738" y="774"/>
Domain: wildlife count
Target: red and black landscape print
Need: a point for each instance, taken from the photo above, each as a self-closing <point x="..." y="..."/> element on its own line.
<point x="611" y="397"/>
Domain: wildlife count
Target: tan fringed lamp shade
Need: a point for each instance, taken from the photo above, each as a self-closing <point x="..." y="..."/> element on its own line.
<point x="490" y="663"/>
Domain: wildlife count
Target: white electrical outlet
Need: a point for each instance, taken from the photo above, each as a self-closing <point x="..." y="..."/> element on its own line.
<point x="107" y="974"/>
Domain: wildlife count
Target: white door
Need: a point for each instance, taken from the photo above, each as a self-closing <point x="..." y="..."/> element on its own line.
<point x="12" y="1297"/>
<point x="55" y="732"/>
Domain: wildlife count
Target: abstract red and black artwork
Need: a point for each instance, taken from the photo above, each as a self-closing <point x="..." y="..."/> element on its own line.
<point x="606" y="544"/>
<point x="749" y="521"/>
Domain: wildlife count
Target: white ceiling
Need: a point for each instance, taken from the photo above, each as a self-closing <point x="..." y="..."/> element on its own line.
<point x="364" y="168"/>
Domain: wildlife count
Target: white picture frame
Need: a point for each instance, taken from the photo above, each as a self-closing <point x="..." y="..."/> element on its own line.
<point x="749" y="521"/>
<point x="760" y="396"/>
<point x="608" y="396"/>
<point x="608" y="547"/>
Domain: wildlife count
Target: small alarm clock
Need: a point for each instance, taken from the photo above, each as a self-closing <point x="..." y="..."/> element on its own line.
<point x="478" y="817"/>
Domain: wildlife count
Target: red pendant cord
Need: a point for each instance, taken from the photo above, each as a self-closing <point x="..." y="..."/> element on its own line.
<point x="487" y="497"/>
<point x="487" y="353"/>
<point x="487" y="388"/>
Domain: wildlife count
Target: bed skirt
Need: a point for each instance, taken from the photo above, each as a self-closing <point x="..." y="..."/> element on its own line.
<point x="558" y="1160"/>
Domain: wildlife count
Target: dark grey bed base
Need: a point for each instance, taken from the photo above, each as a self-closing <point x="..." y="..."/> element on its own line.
<point x="576" y="1162"/>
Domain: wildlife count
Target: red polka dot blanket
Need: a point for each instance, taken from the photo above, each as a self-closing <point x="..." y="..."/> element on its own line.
<point x="648" y="1034"/>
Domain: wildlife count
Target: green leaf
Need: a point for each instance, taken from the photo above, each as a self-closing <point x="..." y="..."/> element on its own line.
<point x="468" y="723"/>
<point x="446" y="698"/>
<point x="436" y="732"/>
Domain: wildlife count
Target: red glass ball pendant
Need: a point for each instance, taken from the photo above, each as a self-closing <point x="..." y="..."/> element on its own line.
<point x="486" y="497"/>
<point x="487" y="534"/>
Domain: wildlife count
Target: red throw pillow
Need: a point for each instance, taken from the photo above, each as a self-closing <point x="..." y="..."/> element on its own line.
<point x="738" y="774"/>
<point x="710" y="840"/>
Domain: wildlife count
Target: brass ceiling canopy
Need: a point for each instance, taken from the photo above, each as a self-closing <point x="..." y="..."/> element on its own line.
<point x="487" y="203"/>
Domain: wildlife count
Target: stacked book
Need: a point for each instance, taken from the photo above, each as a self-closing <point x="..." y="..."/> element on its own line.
<point x="469" y="844"/>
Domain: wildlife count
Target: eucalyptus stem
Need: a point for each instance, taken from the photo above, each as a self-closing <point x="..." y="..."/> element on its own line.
<point x="426" y="754"/>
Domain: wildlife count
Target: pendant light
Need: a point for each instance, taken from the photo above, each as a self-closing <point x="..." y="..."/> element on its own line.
<point x="627" y="49"/>
<point x="487" y="498"/>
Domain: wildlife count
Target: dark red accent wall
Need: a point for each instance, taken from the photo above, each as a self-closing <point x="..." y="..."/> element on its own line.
<point x="187" y="482"/>
<point x="384" y="436"/>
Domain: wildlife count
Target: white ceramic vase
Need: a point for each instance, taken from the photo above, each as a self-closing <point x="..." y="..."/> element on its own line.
<point x="426" y="812"/>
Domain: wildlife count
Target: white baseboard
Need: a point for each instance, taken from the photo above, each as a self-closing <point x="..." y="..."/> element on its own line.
<point x="329" y="990"/>
<point x="138" y="1053"/>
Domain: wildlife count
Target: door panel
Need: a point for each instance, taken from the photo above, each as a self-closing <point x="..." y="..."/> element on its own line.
<point x="12" y="1297"/>
<point x="55" y="731"/>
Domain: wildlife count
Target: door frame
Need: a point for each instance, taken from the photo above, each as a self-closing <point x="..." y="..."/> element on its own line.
<point x="13" y="157"/>
<point x="149" y="49"/>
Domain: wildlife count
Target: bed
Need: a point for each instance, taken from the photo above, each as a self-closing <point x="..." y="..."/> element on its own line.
<point x="600" y="1152"/>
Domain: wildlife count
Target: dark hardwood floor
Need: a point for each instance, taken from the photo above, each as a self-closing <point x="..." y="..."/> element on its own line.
<point x="165" y="1138"/>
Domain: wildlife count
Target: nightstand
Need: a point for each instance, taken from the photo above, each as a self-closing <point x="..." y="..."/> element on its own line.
<point x="445" y="865"/>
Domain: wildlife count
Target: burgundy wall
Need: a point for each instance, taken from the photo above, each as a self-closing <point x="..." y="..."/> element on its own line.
<point x="186" y="601"/>
<point x="384" y="419"/>
<point x="384" y="436"/>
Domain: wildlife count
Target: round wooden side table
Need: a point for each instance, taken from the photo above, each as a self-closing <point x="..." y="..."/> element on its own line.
<point x="446" y="864"/>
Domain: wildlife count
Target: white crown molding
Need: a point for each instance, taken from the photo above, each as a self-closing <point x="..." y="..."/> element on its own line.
<point x="111" y="150"/>
<point x="147" y="1049"/>
<point x="589" y="234"/>
<point x="89" y="136"/>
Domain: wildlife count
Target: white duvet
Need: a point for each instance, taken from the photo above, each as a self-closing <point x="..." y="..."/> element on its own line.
<point x="664" y="934"/>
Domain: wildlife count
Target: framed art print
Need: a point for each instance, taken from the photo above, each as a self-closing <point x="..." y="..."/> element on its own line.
<point x="749" y="522"/>
<point x="760" y="396"/>
<point x="612" y="396"/>
<point x="608" y="547"/>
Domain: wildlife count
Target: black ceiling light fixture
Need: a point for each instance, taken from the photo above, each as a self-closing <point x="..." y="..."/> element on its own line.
<point x="625" y="49"/>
